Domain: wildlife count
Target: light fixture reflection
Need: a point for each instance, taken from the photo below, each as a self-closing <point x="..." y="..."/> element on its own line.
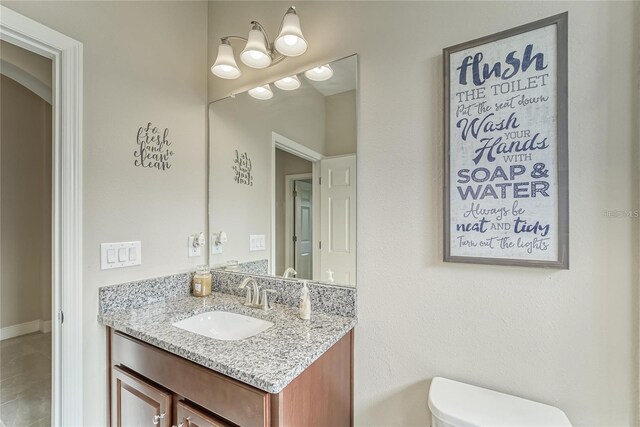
<point x="225" y="66"/>
<point x="290" y="41"/>
<point x="320" y="73"/>
<point x="261" y="92"/>
<point x="288" y="83"/>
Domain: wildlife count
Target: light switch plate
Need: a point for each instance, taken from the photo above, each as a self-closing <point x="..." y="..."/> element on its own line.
<point x="257" y="242"/>
<point x="121" y="254"/>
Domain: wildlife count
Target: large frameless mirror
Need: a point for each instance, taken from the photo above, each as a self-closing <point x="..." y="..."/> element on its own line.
<point x="282" y="177"/>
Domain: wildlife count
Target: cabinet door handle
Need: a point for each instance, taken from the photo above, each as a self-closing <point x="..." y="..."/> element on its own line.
<point x="157" y="418"/>
<point x="182" y="423"/>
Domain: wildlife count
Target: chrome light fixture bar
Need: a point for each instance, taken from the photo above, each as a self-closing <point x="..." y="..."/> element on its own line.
<point x="259" y="52"/>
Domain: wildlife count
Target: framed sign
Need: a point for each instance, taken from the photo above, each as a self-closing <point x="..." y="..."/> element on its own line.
<point x="506" y="195"/>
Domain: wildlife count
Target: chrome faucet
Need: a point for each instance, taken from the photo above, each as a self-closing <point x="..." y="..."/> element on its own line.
<point x="254" y="297"/>
<point x="289" y="272"/>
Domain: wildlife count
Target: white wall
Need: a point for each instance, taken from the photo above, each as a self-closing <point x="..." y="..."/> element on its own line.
<point x="341" y="124"/>
<point x="568" y="338"/>
<point x="37" y="66"/>
<point x="25" y="264"/>
<point x="143" y="61"/>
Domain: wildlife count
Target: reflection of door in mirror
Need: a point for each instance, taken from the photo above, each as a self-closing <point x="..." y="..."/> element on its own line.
<point x="303" y="228"/>
<point x="289" y="171"/>
<point x="338" y="220"/>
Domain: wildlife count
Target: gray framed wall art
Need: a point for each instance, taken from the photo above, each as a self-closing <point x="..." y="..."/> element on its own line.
<point x="506" y="196"/>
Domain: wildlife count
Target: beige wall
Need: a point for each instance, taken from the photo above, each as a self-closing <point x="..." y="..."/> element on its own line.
<point x="25" y="237"/>
<point x="36" y="65"/>
<point x="568" y="338"/>
<point x="143" y="61"/>
<point x="341" y="135"/>
<point x="246" y="124"/>
<point x="286" y="164"/>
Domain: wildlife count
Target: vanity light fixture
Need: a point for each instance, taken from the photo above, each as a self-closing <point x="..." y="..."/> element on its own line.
<point x="261" y="92"/>
<point x="288" y="83"/>
<point x="255" y="53"/>
<point x="259" y="52"/>
<point x="225" y="66"/>
<point x="319" y="73"/>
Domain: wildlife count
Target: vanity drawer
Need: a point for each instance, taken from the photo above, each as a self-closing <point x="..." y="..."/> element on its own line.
<point x="237" y="402"/>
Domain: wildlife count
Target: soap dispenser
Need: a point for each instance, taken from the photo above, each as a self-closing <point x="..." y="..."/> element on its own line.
<point x="305" y="302"/>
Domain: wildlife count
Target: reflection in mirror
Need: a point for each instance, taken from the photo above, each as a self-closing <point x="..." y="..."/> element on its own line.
<point x="282" y="177"/>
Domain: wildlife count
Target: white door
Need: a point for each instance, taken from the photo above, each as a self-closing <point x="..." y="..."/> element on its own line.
<point x="338" y="220"/>
<point x="303" y="229"/>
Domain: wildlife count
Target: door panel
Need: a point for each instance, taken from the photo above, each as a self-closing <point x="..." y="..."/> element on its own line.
<point x="338" y="220"/>
<point x="136" y="403"/>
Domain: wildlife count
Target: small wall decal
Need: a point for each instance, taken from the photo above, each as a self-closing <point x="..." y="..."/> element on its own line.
<point x="242" y="168"/>
<point x="154" y="149"/>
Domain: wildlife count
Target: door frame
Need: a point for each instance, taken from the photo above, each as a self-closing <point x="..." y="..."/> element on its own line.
<point x="290" y="146"/>
<point x="288" y="216"/>
<point x="66" y="252"/>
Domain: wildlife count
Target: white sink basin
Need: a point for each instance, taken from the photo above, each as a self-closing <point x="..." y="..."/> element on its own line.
<point x="222" y="325"/>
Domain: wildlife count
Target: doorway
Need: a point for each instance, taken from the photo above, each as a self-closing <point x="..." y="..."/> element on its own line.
<point x="65" y="55"/>
<point x="293" y="162"/>
<point x="299" y="223"/>
<point x="25" y="236"/>
<point x="294" y="216"/>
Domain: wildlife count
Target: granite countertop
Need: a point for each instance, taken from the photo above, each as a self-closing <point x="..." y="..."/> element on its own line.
<point x="269" y="360"/>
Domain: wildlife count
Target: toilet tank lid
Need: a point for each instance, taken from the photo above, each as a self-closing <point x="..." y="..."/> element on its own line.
<point x="464" y="405"/>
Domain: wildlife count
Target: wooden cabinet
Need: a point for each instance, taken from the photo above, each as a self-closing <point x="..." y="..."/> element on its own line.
<point x="188" y="416"/>
<point x="136" y="403"/>
<point x="147" y="382"/>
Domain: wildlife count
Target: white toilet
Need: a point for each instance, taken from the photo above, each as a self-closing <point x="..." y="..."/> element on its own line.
<point x="455" y="404"/>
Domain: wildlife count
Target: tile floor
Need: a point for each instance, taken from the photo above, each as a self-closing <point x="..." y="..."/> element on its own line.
<point x="25" y="381"/>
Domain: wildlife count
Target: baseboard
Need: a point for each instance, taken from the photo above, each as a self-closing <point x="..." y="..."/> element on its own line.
<point x="45" y="326"/>
<point x="25" y="328"/>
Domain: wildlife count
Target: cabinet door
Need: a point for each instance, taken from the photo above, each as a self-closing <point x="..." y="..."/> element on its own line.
<point x="136" y="403"/>
<point x="189" y="416"/>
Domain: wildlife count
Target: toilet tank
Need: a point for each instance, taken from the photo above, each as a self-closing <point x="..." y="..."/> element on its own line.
<point x="456" y="404"/>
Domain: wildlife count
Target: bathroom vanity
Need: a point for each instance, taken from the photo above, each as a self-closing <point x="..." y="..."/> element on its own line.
<point x="152" y="386"/>
<point x="294" y="373"/>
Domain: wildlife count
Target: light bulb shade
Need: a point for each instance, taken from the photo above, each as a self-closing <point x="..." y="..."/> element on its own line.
<point x="225" y="66"/>
<point x="288" y="83"/>
<point x="320" y="73"/>
<point x="290" y="41"/>
<point x="261" y="92"/>
<point x="255" y="53"/>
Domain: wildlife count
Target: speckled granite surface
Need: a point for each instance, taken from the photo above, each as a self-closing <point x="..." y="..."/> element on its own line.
<point x="268" y="361"/>
<point x="258" y="267"/>
<point x="332" y="299"/>
<point x="143" y="292"/>
<point x="255" y="267"/>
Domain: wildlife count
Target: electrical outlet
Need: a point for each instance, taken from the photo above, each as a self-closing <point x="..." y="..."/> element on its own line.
<point x="194" y="248"/>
